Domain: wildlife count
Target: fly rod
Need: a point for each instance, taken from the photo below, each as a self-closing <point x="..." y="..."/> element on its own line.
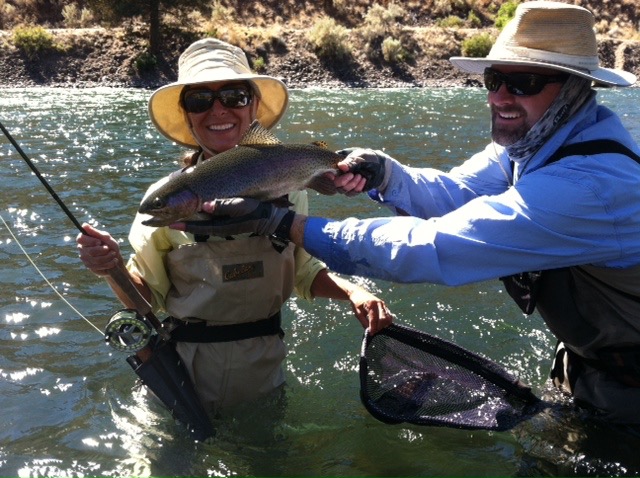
<point x="118" y="274"/>
<point x="42" y="179"/>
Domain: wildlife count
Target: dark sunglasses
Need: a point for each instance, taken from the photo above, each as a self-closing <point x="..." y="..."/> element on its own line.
<point x="519" y="84"/>
<point x="199" y="101"/>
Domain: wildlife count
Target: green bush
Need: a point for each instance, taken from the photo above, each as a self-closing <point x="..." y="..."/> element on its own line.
<point x="392" y="51"/>
<point x="474" y="20"/>
<point x="380" y="21"/>
<point x="452" y="21"/>
<point x="33" y="39"/>
<point x="477" y="45"/>
<point x="505" y="13"/>
<point x="329" y="39"/>
<point x="259" y="65"/>
<point x="76" y="18"/>
<point x="146" y="62"/>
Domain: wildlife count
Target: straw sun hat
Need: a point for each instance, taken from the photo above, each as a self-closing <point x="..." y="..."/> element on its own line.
<point x="550" y="35"/>
<point x="206" y="61"/>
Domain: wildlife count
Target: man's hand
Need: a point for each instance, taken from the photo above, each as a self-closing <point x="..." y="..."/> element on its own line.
<point x="364" y="169"/>
<point x="233" y="216"/>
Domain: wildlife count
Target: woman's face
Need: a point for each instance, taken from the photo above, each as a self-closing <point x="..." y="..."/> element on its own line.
<point x="217" y="127"/>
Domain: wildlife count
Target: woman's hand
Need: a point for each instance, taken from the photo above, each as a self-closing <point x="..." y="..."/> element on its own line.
<point x="98" y="251"/>
<point x="370" y="310"/>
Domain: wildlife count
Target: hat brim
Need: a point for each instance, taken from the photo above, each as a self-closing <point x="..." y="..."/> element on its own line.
<point x="167" y="114"/>
<point x="606" y="76"/>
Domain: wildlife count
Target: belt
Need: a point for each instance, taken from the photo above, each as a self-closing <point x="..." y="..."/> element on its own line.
<point x="200" y="332"/>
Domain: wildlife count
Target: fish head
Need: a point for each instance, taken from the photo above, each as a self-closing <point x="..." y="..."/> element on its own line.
<point x="166" y="209"/>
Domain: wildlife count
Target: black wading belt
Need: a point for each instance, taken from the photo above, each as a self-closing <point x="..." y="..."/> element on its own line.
<point x="200" y="332"/>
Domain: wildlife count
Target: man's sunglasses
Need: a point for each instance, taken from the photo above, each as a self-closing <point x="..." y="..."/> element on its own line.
<point x="199" y="101"/>
<point x="519" y="84"/>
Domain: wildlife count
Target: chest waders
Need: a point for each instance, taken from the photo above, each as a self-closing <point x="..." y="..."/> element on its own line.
<point x="572" y="300"/>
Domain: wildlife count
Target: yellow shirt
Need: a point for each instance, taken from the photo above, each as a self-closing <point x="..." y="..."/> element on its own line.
<point x="151" y="246"/>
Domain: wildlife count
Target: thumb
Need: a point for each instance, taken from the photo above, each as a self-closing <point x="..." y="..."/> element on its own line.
<point x="209" y="206"/>
<point x="346" y="151"/>
<point x="232" y="207"/>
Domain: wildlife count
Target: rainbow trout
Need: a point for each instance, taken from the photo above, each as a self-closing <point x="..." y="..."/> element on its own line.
<point x="260" y="167"/>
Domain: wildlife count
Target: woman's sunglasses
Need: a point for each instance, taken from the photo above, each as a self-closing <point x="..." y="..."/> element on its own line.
<point x="199" y="101"/>
<point x="519" y="84"/>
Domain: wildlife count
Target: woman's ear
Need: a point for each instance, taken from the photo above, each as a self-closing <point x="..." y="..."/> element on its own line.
<point x="254" y="107"/>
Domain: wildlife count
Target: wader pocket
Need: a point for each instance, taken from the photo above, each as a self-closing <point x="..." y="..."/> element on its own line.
<point x="523" y="289"/>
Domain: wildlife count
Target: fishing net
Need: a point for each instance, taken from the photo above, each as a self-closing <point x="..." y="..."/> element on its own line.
<point x="409" y="376"/>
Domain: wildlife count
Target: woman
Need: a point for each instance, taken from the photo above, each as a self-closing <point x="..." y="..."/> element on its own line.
<point x="227" y="289"/>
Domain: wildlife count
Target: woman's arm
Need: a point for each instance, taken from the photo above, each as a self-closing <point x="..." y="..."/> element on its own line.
<point x="370" y="311"/>
<point x="100" y="253"/>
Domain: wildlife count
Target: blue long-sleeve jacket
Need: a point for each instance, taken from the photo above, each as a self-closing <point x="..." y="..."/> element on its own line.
<point x="473" y="223"/>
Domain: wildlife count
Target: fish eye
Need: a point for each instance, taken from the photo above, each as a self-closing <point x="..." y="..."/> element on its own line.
<point x="157" y="203"/>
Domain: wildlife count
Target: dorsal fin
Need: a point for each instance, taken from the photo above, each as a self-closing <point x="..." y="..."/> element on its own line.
<point x="258" y="135"/>
<point x="320" y="144"/>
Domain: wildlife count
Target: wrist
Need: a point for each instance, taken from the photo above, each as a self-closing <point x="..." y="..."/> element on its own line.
<point x="297" y="229"/>
<point x="388" y="167"/>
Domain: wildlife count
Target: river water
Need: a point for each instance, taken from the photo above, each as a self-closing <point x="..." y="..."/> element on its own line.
<point x="70" y="405"/>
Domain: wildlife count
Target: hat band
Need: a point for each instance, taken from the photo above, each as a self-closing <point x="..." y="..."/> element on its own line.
<point x="211" y="73"/>
<point x="585" y="63"/>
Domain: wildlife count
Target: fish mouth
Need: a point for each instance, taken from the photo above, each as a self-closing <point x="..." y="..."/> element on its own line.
<point x="157" y="222"/>
<point x="163" y="211"/>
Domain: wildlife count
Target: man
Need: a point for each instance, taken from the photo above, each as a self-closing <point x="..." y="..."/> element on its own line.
<point x="560" y="226"/>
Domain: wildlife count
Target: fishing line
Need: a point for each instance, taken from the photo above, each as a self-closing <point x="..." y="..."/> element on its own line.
<point x="42" y="179"/>
<point x="122" y="326"/>
<point x="26" y="254"/>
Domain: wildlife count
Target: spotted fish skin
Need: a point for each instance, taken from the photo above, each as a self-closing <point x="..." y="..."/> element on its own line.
<point x="259" y="167"/>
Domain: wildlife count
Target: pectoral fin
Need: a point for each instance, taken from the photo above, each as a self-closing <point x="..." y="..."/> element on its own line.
<point x="323" y="184"/>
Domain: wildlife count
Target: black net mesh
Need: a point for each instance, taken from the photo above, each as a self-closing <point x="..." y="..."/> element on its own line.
<point x="409" y="376"/>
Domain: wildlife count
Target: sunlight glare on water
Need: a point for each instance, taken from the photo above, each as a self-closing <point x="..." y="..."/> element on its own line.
<point x="71" y="406"/>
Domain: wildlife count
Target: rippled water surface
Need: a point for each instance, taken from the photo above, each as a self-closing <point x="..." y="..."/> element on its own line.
<point x="69" y="403"/>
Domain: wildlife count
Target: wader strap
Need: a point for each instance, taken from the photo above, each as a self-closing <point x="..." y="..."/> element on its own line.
<point x="200" y="332"/>
<point x="589" y="148"/>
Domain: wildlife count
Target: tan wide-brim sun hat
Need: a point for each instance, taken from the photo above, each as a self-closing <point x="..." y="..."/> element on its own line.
<point x="207" y="61"/>
<point x="549" y="35"/>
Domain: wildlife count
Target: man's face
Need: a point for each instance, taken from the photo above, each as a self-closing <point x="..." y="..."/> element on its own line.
<point x="512" y="116"/>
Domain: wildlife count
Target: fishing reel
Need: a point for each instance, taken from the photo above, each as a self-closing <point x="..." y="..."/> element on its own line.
<point x="128" y="331"/>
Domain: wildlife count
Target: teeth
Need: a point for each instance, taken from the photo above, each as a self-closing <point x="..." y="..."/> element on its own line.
<point x="221" y="127"/>
<point x="509" y="115"/>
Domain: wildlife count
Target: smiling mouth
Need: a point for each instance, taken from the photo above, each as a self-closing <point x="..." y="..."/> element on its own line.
<point x="221" y="127"/>
<point x="508" y="115"/>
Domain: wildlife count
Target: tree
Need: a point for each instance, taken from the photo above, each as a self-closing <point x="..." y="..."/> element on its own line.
<point x="114" y="11"/>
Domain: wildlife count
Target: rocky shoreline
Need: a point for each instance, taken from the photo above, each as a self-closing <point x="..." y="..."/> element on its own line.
<point x="106" y="58"/>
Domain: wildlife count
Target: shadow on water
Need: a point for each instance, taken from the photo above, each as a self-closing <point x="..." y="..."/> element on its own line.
<point x="566" y="441"/>
<point x="70" y="404"/>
